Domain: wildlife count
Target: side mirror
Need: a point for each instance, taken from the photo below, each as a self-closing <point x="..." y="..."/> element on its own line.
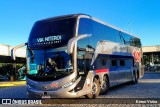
<point x="13" y="51"/>
<point x="74" y="40"/>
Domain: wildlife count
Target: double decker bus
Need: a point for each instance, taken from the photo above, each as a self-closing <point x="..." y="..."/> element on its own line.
<point x="78" y="55"/>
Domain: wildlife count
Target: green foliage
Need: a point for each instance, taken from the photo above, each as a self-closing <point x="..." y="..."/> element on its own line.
<point x="7" y="68"/>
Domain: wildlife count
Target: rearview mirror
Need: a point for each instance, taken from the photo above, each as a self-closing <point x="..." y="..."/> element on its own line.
<point x="74" y="40"/>
<point x="13" y="51"/>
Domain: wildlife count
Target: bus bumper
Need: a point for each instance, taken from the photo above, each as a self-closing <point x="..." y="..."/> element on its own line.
<point x="50" y="94"/>
<point x="59" y="93"/>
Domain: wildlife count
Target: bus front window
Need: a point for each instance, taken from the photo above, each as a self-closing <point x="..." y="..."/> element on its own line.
<point x="48" y="63"/>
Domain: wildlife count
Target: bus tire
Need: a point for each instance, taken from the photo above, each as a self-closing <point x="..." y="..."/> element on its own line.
<point x="95" y="89"/>
<point x="105" y="85"/>
<point x="135" y="77"/>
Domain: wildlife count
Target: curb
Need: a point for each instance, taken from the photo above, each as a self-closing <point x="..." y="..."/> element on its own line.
<point x="10" y="83"/>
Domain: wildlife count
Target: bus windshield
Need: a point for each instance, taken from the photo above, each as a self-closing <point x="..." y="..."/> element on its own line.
<point x="48" y="59"/>
<point x="49" y="64"/>
<point x="51" y="33"/>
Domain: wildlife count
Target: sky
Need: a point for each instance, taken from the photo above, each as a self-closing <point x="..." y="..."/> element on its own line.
<point x="139" y="17"/>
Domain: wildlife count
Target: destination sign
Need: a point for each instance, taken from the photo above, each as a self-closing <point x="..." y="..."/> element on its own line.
<point x="48" y="40"/>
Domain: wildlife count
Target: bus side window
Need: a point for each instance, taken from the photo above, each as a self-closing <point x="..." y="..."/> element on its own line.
<point x="114" y="63"/>
<point x="103" y="62"/>
<point x="122" y="62"/>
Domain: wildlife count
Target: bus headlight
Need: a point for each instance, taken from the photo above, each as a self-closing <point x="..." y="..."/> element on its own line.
<point x="68" y="84"/>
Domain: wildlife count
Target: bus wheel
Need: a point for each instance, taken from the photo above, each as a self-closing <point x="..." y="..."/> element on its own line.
<point x="95" y="89"/>
<point x="135" y="77"/>
<point x="105" y="85"/>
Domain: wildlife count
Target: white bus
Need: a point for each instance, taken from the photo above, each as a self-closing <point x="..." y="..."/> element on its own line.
<point x="79" y="55"/>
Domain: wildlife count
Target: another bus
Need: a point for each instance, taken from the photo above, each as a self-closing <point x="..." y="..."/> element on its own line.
<point x="78" y="55"/>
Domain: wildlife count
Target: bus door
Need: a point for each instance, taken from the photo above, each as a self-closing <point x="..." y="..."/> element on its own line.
<point x="124" y="68"/>
<point x="122" y="71"/>
<point x="83" y="66"/>
<point x="81" y="63"/>
<point x="84" y="56"/>
<point x="113" y="74"/>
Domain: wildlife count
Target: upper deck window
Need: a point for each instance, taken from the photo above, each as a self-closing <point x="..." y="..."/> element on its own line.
<point x="85" y="26"/>
<point x="54" y="33"/>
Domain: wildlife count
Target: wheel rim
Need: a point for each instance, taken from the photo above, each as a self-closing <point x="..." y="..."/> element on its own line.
<point x="104" y="86"/>
<point x="94" y="88"/>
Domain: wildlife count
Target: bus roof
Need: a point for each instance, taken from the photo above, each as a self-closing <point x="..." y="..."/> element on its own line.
<point x="63" y="17"/>
<point x="86" y="16"/>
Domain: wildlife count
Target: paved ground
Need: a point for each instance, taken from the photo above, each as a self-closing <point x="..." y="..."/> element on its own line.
<point x="148" y="88"/>
<point x="13" y="83"/>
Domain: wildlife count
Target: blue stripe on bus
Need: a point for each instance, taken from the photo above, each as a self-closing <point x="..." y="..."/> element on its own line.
<point x="119" y="69"/>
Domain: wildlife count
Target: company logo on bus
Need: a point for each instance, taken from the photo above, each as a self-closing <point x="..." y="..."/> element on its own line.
<point x="54" y="84"/>
<point x="137" y="55"/>
<point x="48" y="40"/>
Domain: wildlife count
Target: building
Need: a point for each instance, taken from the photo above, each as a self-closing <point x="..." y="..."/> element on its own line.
<point x="151" y="55"/>
<point x="5" y="54"/>
<point x="7" y="65"/>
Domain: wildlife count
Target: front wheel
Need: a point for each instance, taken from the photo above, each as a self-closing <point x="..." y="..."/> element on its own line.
<point x="95" y="89"/>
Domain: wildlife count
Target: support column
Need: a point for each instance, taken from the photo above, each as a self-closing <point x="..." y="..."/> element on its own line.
<point x="152" y="59"/>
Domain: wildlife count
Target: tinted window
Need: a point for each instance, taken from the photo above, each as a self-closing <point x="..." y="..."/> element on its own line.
<point x="53" y="33"/>
<point x="114" y="63"/>
<point x="84" y="55"/>
<point x="85" y="26"/>
<point x="122" y="63"/>
<point x="102" y="32"/>
<point x="130" y="40"/>
<point x="137" y="42"/>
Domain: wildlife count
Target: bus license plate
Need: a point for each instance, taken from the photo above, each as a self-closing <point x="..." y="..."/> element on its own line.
<point x="46" y="96"/>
